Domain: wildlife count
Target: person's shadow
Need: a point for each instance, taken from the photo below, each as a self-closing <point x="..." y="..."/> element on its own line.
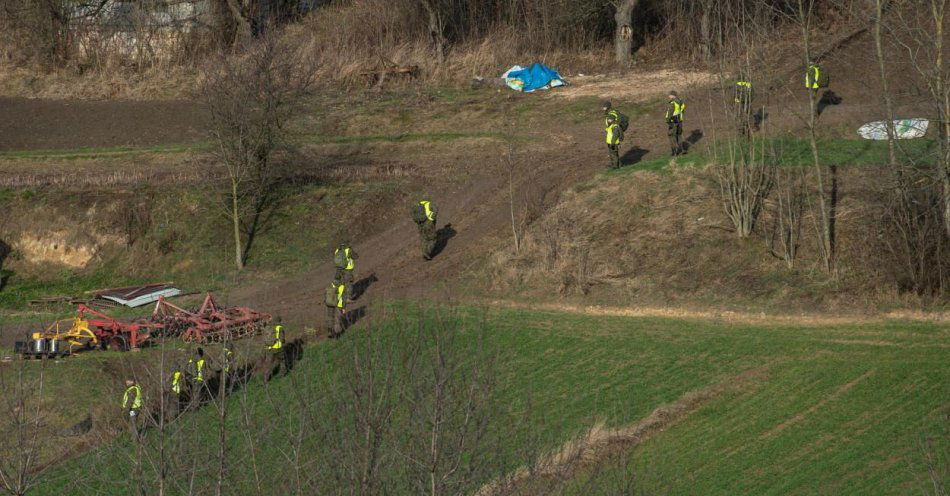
<point x="633" y="156"/>
<point x="360" y="287"/>
<point x="827" y="98"/>
<point x="442" y="237"/>
<point x="692" y="139"/>
<point x="758" y="118"/>
<point x="353" y="316"/>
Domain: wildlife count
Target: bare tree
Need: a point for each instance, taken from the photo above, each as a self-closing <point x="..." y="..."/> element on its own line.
<point x="804" y="16"/>
<point x="921" y="32"/>
<point x="787" y="215"/>
<point x="449" y="401"/>
<point x="746" y="178"/>
<point x="22" y="426"/>
<point x="251" y="99"/>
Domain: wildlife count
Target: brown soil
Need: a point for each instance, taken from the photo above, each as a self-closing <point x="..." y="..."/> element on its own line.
<point x="29" y="124"/>
<point x="468" y="182"/>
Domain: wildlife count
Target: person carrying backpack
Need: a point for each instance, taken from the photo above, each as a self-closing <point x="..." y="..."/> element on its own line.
<point x="744" y="93"/>
<point x="335" y="300"/>
<point x="615" y="124"/>
<point x="674" y="123"/>
<point x="344" y="260"/>
<point x="424" y="215"/>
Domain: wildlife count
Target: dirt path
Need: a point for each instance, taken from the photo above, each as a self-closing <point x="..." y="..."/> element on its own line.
<point x="477" y="209"/>
<point x="28" y="124"/>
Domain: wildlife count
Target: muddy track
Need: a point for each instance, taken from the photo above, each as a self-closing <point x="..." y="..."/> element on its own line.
<point x="29" y="124"/>
<point x="478" y="209"/>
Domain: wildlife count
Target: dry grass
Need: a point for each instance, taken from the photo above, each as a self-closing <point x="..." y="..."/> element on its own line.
<point x="658" y="239"/>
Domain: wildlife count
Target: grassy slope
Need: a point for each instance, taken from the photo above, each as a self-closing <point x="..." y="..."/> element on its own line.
<point x="834" y="410"/>
<point x="199" y="259"/>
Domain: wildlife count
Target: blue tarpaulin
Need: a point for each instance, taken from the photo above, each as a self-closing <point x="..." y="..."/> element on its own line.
<point x="538" y="76"/>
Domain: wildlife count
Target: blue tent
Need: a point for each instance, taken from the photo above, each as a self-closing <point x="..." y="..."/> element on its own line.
<point x="534" y="77"/>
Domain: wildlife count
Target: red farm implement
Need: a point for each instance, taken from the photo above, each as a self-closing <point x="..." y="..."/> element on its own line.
<point x="87" y="330"/>
<point x="114" y="334"/>
<point x="209" y="323"/>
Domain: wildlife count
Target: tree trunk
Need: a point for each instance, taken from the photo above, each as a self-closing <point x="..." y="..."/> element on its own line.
<point x="436" y="29"/>
<point x="623" y="32"/>
<point x="705" y="31"/>
<point x="885" y="91"/>
<point x="826" y="211"/>
<point x="236" y="220"/>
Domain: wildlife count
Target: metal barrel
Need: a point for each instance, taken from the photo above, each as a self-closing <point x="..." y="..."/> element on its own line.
<point x="39" y="345"/>
<point x="55" y="346"/>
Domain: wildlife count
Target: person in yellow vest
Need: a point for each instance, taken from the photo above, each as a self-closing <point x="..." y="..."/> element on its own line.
<point x="344" y="258"/>
<point x="424" y="215"/>
<point x="227" y="357"/>
<point x="196" y="366"/>
<point x="180" y="388"/>
<point x="813" y="79"/>
<point x="335" y="300"/>
<point x="674" y="123"/>
<point x="132" y="399"/>
<point x="613" y="126"/>
<point x="743" y="100"/>
<point x="278" y="344"/>
<point x="178" y="382"/>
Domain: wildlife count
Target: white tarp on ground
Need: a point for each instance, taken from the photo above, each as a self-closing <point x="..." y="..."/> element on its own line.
<point x="904" y="128"/>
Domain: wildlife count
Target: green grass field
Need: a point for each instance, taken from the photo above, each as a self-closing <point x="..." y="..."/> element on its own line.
<point x="837" y="409"/>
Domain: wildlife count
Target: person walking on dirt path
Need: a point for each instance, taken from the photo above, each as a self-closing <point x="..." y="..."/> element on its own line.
<point x="344" y="258"/>
<point x="743" y="100"/>
<point x="813" y="82"/>
<point x="615" y="124"/>
<point x="335" y="300"/>
<point x="674" y="123"/>
<point x="424" y="215"/>
<point x="278" y="344"/>
<point x="132" y="399"/>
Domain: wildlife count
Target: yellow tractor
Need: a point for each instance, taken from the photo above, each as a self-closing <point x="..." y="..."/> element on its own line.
<point x="73" y="334"/>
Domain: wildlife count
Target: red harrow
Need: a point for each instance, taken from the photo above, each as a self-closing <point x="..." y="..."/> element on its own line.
<point x="210" y="323"/>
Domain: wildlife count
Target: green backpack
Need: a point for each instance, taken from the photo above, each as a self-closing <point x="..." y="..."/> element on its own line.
<point x="419" y="213"/>
<point x="624" y="122"/>
<point x="339" y="258"/>
<point x="331" y="298"/>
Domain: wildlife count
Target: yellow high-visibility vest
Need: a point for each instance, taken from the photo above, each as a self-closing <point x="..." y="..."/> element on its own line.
<point x="349" y="260"/>
<point x="199" y="366"/>
<point x="278" y="337"/>
<point x="613" y="117"/>
<point x="340" y="289"/>
<point x="430" y="214"/>
<point x="811" y="77"/>
<point x="613" y="134"/>
<point x="676" y="109"/>
<point x="136" y="399"/>
<point x="176" y="382"/>
<point x="743" y="90"/>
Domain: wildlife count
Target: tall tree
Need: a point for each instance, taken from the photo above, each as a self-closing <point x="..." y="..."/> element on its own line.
<point x="250" y="100"/>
